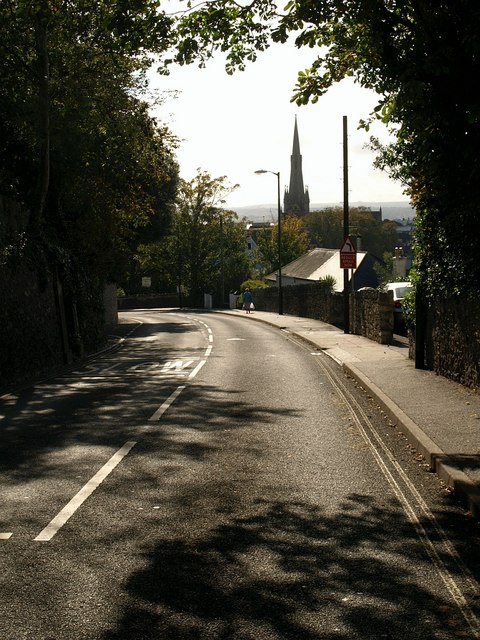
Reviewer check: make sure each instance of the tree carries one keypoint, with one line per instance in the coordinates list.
(80, 157)
(57, 61)
(206, 247)
(294, 243)
(420, 59)
(78, 149)
(384, 269)
(326, 229)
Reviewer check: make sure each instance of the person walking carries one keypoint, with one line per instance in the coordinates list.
(247, 301)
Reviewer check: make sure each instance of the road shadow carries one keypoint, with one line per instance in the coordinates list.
(290, 570)
(26, 448)
(56, 410)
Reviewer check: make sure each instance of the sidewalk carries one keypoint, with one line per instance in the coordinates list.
(440, 418)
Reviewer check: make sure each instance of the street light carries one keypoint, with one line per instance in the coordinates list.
(280, 293)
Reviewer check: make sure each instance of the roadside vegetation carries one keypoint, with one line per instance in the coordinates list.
(86, 174)
(203, 250)
(325, 229)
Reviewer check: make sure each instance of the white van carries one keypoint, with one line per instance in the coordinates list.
(400, 289)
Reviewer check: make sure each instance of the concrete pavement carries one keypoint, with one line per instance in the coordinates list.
(440, 418)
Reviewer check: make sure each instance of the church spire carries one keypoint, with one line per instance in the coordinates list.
(296, 142)
(296, 199)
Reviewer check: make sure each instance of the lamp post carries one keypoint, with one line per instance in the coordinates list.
(280, 292)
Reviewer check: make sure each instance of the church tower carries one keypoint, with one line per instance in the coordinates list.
(296, 199)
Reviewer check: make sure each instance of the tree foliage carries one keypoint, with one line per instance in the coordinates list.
(421, 59)
(294, 243)
(85, 173)
(326, 230)
(206, 247)
(78, 148)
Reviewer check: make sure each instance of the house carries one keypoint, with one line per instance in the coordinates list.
(319, 263)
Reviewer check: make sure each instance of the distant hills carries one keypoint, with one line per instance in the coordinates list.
(266, 212)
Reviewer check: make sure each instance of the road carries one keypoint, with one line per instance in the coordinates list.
(213, 478)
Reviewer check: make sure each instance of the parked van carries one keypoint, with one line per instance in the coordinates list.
(399, 289)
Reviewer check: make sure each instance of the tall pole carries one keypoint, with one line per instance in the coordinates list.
(222, 264)
(346, 307)
(279, 229)
(280, 290)
(179, 266)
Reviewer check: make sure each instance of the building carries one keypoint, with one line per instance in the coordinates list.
(296, 199)
(404, 228)
(318, 263)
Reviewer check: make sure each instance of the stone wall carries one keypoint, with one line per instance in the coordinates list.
(371, 312)
(110, 304)
(453, 340)
(30, 339)
(44, 328)
(304, 300)
(371, 315)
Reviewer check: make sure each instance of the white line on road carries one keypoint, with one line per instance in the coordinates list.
(197, 368)
(168, 402)
(68, 510)
(176, 365)
(371, 436)
(65, 514)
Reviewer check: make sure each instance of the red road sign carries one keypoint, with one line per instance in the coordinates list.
(348, 254)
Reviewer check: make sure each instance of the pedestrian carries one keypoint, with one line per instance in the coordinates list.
(247, 300)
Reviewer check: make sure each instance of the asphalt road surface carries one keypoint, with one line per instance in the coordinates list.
(212, 478)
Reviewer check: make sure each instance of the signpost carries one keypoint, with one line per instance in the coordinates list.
(348, 260)
(348, 254)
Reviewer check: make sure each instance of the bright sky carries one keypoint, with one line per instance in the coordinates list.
(233, 125)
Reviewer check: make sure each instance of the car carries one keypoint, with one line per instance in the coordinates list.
(399, 289)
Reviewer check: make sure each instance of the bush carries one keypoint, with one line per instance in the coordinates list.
(252, 284)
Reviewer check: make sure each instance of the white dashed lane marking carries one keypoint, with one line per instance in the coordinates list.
(68, 510)
(178, 367)
(165, 405)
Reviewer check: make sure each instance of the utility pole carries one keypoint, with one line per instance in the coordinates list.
(346, 231)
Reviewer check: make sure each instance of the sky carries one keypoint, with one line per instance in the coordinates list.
(233, 125)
